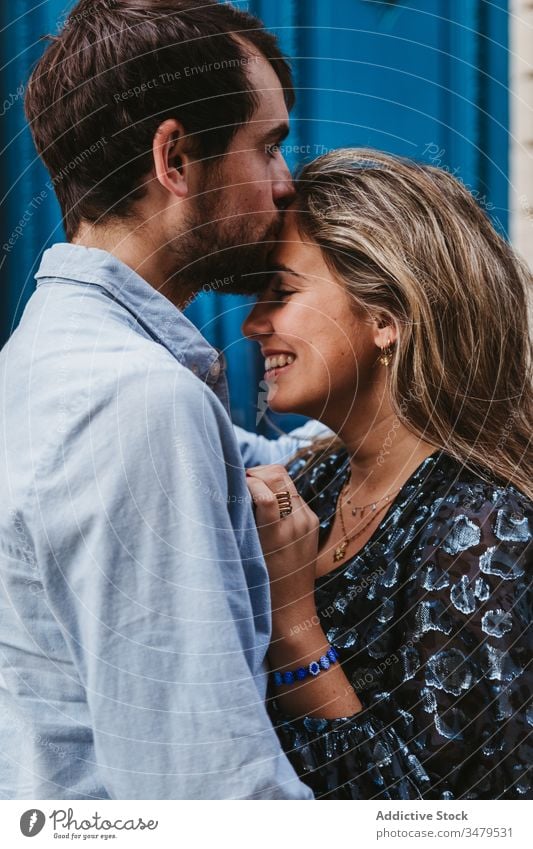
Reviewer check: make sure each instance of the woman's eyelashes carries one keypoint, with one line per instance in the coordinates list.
(281, 294)
(278, 289)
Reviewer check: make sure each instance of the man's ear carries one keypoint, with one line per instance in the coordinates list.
(170, 157)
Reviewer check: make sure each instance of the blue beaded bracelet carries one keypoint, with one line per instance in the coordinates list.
(303, 672)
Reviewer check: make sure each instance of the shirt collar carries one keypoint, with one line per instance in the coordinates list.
(65, 262)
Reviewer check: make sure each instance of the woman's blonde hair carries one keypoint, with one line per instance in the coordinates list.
(411, 245)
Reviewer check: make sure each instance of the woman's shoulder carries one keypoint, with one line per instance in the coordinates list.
(456, 488)
(474, 527)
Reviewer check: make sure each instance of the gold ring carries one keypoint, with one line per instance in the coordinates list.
(284, 500)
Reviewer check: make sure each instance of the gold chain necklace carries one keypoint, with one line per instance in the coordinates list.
(340, 551)
(373, 504)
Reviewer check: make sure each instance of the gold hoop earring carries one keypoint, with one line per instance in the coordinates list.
(385, 358)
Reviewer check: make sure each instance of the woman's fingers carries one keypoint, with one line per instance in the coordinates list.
(275, 477)
(277, 480)
(266, 503)
(264, 482)
(290, 542)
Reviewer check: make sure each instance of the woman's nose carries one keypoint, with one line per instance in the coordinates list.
(257, 323)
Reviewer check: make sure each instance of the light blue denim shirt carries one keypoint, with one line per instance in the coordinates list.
(134, 600)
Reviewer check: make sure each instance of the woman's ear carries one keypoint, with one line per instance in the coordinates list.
(385, 331)
(170, 157)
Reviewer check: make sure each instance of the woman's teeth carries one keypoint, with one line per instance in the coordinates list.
(278, 361)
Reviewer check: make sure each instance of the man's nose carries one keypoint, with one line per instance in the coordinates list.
(283, 189)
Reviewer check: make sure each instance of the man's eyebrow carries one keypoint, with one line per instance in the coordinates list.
(277, 134)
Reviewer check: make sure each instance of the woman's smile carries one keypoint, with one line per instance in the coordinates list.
(276, 363)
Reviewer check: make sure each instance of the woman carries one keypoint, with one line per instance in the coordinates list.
(398, 551)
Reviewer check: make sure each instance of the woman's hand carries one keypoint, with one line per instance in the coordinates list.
(290, 544)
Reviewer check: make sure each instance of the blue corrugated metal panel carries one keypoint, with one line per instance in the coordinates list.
(460, 134)
(30, 213)
(493, 176)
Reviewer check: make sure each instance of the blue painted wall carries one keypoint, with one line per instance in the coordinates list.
(422, 78)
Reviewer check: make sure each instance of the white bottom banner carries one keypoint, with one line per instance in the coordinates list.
(264, 825)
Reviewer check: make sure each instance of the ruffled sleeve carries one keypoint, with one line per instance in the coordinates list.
(447, 715)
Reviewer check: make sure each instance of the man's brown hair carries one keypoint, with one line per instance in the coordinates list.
(116, 71)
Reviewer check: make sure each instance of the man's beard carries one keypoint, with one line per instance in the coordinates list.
(228, 255)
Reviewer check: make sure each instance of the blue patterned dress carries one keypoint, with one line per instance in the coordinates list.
(430, 620)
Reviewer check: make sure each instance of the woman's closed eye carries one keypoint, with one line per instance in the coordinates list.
(282, 293)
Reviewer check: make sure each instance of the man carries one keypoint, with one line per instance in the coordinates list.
(135, 605)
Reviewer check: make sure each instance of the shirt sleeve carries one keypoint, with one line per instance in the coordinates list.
(451, 720)
(259, 451)
(163, 599)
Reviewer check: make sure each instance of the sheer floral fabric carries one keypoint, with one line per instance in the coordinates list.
(430, 620)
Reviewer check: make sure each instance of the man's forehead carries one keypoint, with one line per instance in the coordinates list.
(265, 82)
